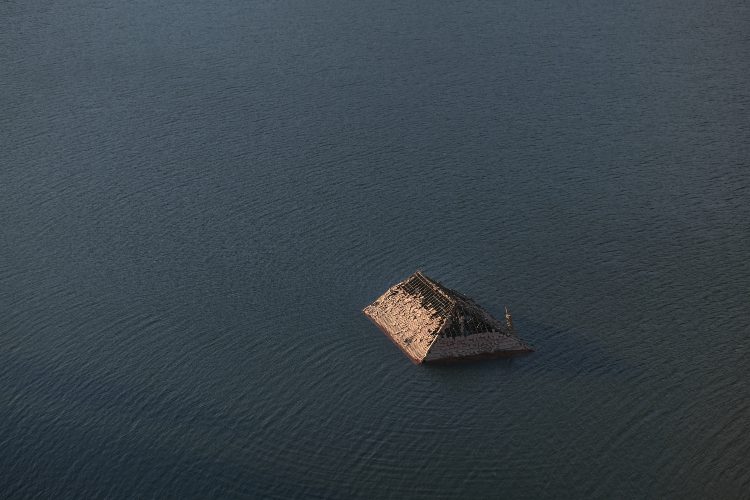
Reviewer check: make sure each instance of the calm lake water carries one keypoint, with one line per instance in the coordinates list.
(198, 198)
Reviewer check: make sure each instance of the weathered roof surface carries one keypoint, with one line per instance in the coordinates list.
(431, 322)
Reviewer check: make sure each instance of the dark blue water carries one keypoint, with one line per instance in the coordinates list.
(198, 198)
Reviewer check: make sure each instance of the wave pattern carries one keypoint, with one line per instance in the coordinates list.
(197, 200)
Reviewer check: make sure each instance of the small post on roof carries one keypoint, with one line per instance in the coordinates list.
(508, 319)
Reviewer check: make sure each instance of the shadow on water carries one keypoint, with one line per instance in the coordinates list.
(573, 351)
(566, 352)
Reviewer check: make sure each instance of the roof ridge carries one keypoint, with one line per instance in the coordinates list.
(437, 287)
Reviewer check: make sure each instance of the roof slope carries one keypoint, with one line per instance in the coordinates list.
(431, 322)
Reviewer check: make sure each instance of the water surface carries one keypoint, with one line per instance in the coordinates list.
(198, 198)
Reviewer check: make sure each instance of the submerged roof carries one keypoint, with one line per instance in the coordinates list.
(431, 322)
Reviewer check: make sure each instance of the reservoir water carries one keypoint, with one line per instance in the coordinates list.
(198, 198)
